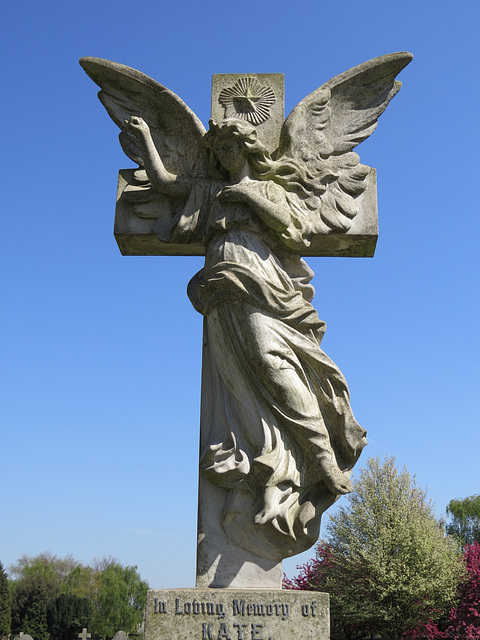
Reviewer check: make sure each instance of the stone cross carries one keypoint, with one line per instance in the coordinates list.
(84, 635)
(136, 235)
(278, 439)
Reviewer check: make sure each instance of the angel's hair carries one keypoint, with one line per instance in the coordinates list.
(285, 171)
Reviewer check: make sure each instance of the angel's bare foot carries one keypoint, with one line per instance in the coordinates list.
(272, 498)
(337, 481)
(340, 486)
(276, 502)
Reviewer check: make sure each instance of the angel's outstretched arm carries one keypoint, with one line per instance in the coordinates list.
(159, 177)
(270, 210)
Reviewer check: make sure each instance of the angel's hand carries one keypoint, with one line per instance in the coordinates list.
(240, 192)
(138, 126)
(270, 211)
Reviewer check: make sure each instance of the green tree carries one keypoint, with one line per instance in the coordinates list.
(67, 616)
(319, 575)
(38, 581)
(34, 620)
(45, 569)
(391, 564)
(465, 519)
(120, 599)
(83, 582)
(115, 594)
(5, 606)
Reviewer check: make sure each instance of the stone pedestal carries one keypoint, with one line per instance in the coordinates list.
(230, 614)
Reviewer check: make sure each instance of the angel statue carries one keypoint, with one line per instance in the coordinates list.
(278, 436)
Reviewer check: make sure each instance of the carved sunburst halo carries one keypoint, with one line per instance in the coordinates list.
(248, 100)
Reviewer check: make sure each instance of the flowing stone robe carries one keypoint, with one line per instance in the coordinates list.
(273, 403)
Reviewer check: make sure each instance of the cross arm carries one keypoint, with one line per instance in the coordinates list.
(135, 235)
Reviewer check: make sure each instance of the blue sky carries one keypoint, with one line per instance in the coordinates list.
(101, 354)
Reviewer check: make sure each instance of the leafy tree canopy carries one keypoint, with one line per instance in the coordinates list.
(45, 563)
(465, 519)
(46, 570)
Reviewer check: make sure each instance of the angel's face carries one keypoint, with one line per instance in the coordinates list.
(231, 153)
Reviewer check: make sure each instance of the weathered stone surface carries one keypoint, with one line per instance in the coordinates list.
(221, 563)
(218, 614)
(255, 98)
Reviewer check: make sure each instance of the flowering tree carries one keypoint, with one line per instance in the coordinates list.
(463, 621)
(465, 618)
(320, 574)
(390, 564)
(315, 574)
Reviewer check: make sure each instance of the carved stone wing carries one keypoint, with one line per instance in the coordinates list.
(176, 130)
(323, 129)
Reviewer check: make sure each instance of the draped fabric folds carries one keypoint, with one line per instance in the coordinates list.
(274, 406)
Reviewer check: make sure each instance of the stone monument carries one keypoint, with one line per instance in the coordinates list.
(254, 194)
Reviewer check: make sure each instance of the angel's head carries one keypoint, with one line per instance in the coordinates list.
(232, 143)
